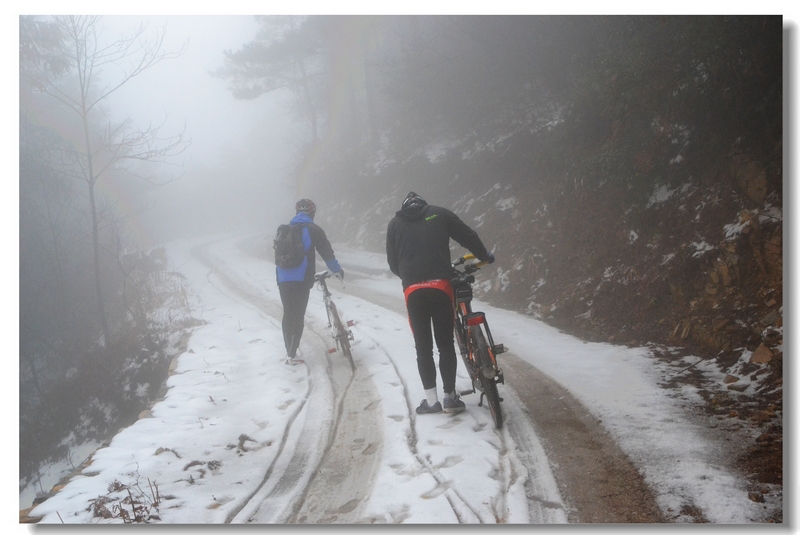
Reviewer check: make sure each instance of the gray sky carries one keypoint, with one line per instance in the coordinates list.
(238, 159)
(182, 87)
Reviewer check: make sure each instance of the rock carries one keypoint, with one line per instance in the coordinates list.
(751, 176)
(770, 318)
(762, 355)
(25, 518)
(738, 388)
(730, 379)
(719, 323)
(725, 274)
(760, 416)
(756, 497)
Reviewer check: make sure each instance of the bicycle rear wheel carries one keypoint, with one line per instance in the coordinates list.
(342, 335)
(488, 383)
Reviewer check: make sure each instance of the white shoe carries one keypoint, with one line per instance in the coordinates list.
(293, 361)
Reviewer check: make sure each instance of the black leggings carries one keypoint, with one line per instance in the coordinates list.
(428, 306)
(294, 296)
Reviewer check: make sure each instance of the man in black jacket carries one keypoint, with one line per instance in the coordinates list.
(418, 251)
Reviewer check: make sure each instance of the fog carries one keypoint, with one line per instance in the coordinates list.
(537, 131)
(235, 174)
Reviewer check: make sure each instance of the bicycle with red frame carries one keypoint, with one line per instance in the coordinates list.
(478, 349)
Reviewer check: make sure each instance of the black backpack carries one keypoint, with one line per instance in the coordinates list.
(288, 245)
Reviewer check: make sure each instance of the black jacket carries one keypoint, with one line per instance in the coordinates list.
(418, 243)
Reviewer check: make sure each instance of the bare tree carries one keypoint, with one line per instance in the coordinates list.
(84, 55)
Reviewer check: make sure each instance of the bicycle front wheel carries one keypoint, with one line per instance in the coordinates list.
(488, 383)
(342, 335)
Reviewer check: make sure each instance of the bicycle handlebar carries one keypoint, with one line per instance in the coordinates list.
(320, 277)
(469, 268)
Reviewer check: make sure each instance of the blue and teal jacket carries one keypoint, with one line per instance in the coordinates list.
(314, 238)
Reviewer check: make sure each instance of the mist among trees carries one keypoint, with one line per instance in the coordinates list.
(377, 88)
(593, 108)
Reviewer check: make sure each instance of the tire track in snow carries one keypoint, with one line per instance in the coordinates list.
(344, 479)
(510, 467)
(521, 458)
(284, 475)
(288, 486)
(464, 512)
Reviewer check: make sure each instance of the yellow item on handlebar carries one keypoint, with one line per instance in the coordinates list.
(470, 256)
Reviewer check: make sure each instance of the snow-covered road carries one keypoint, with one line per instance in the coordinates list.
(241, 437)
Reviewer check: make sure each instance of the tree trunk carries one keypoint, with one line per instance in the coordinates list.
(312, 114)
(95, 235)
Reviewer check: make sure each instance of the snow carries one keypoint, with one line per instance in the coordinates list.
(507, 204)
(660, 195)
(233, 410)
(701, 248)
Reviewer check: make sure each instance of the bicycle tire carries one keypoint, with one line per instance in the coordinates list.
(462, 350)
(489, 384)
(342, 335)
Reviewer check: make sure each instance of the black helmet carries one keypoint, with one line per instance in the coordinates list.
(412, 199)
(307, 206)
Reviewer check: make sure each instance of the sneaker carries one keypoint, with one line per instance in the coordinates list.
(424, 408)
(454, 405)
(292, 361)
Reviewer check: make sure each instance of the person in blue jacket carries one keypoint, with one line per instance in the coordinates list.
(294, 284)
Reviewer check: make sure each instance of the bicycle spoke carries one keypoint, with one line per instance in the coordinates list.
(488, 383)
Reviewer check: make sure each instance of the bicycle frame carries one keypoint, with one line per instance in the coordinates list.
(340, 331)
(473, 333)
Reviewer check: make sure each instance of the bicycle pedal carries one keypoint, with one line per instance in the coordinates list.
(332, 350)
(350, 323)
(499, 348)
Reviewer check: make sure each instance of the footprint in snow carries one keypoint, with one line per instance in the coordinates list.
(451, 460)
(438, 491)
(450, 423)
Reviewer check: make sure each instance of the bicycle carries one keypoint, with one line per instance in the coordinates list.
(478, 349)
(340, 331)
